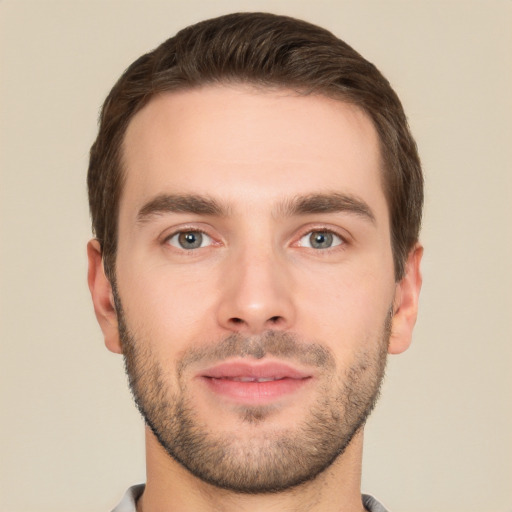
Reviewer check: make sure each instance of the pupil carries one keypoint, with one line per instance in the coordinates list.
(190, 240)
(321, 240)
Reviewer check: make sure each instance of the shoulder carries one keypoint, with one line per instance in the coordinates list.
(129, 501)
(372, 505)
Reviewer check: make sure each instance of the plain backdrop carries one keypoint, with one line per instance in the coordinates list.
(440, 439)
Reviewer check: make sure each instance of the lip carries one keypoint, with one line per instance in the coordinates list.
(254, 383)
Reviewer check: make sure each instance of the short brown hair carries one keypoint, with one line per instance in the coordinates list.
(265, 50)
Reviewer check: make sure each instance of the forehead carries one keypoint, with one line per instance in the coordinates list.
(242, 142)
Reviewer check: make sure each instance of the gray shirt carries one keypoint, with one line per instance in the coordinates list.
(128, 503)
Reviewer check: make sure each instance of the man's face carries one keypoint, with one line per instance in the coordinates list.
(255, 281)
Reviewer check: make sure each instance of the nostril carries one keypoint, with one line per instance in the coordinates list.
(272, 322)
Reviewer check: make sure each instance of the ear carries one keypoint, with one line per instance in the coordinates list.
(102, 297)
(405, 304)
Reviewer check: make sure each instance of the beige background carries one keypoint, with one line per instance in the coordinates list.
(440, 440)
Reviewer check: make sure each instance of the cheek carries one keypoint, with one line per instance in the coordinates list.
(168, 308)
(345, 307)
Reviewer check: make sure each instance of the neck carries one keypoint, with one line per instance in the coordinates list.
(170, 487)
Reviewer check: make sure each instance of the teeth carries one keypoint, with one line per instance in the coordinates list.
(253, 379)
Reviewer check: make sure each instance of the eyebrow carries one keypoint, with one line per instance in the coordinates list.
(177, 203)
(333, 202)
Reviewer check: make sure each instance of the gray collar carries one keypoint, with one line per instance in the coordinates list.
(129, 501)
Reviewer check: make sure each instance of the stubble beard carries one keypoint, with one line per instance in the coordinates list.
(271, 460)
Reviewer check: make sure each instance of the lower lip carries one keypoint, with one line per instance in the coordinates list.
(255, 392)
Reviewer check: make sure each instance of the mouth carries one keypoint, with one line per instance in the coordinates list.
(254, 383)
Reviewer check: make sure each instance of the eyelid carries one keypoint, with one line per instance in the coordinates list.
(177, 230)
(205, 242)
(307, 230)
(344, 237)
(307, 236)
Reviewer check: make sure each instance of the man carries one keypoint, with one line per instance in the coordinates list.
(256, 198)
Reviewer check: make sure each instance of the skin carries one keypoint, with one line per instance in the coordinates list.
(254, 151)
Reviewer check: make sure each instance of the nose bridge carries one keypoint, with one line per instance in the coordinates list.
(257, 288)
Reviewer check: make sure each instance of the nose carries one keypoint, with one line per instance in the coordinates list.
(256, 293)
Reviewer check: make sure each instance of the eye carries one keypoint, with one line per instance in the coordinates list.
(320, 240)
(189, 240)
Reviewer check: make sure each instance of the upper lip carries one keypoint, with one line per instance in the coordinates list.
(257, 370)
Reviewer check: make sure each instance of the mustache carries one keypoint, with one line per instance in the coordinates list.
(283, 345)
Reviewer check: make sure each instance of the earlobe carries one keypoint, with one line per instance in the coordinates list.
(102, 297)
(405, 305)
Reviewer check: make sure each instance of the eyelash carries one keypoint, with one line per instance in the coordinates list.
(309, 231)
(324, 230)
(186, 230)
